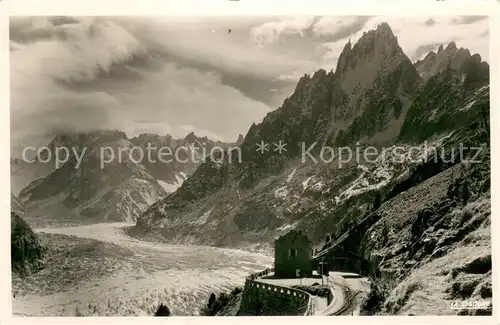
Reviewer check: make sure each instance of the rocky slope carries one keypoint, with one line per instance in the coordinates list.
(26, 251)
(108, 179)
(173, 173)
(430, 237)
(376, 97)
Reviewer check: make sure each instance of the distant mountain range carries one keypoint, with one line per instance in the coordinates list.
(120, 191)
(376, 96)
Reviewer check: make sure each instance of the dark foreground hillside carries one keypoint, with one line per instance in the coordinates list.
(26, 251)
(430, 239)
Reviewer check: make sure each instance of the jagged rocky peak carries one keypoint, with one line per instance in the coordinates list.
(307, 80)
(70, 139)
(79, 140)
(343, 62)
(383, 31)
(240, 139)
(476, 58)
(477, 61)
(449, 57)
(301, 83)
(147, 136)
(451, 46)
(475, 72)
(153, 139)
(191, 137)
(374, 42)
(376, 50)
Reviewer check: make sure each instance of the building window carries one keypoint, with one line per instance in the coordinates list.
(292, 252)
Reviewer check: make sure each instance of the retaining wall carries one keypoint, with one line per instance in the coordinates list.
(263, 299)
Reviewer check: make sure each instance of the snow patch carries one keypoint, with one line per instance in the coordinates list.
(169, 188)
(433, 115)
(281, 193)
(181, 177)
(204, 218)
(387, 167)
(290, 177)
(286, 228)
(468, 106)
(318, 186)
(304, 183)
(134, 196)
(483, 88)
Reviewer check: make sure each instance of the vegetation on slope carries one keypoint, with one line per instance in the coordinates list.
(437, 246)
(217, 303)
(163, 310)
(26, 250)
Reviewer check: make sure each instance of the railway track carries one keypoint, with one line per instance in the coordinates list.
(349, 301)
(347, 308)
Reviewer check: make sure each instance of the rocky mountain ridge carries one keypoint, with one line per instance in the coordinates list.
(429, 236)
(252, 201)
(436, 62)
(109, 177)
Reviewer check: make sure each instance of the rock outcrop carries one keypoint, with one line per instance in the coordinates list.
(26, 250)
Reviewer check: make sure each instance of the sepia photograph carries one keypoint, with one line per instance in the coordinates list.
(250, 166)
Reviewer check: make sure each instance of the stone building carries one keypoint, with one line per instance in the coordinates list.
(292, 255)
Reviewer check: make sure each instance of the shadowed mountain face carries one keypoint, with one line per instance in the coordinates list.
(448, 100)
(107, 176)
(434, 63)
(375, 97)
(26, 251)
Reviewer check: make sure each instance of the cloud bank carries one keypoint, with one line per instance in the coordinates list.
(178, 75)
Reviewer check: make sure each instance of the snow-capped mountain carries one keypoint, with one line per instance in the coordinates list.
(26, 250)
(376, 97)
(98, 184)
(172, 174)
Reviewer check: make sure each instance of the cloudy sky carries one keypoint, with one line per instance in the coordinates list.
(177, 75)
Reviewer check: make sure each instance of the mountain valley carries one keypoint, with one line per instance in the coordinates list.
(383, 157)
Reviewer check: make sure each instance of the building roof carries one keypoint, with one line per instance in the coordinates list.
(295, 233)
